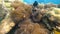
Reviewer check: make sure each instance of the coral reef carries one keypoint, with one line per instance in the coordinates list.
(19, 21)
(27, 27)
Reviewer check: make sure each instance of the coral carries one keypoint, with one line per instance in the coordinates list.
(27, 27)
(6, 25)
(21, 11)
(20, 22)
(16, 4)
(19, 14)
(55, 13)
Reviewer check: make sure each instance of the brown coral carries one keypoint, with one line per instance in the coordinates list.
(16, 4)
(28, 27)
(21, 11)
(19, 14)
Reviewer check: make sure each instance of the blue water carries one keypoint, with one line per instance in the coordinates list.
(43, 1)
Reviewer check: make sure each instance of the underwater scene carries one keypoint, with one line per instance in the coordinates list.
(42, 1)
(29, 16)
